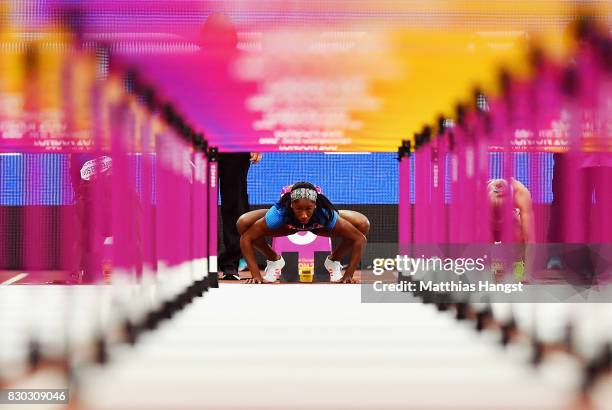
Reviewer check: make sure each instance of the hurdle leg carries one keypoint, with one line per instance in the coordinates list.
(290, 272)
(320, 272)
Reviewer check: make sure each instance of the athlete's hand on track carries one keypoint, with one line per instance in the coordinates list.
(258, 281)
(348, 279)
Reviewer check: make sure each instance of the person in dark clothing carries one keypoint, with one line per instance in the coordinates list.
(233, 170)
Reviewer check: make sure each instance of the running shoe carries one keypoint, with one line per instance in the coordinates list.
(334, 268)
(273, 270)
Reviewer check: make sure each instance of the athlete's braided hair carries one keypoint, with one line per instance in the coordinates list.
(322, 201)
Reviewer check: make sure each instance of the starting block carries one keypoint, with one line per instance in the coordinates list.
(304, 254)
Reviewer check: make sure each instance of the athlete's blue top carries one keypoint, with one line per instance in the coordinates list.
(277, 217)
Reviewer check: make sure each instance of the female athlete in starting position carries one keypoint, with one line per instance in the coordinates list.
(522, 225)
(302, 208)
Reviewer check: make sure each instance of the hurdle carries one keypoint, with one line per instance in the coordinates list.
(560, 110)
(149, 247)
(304, 253)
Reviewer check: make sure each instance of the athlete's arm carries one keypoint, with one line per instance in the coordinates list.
(346, 230)
(522, 200)
(256, 231)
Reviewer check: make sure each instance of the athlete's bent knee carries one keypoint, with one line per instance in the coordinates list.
(364, 226)
(241, 224)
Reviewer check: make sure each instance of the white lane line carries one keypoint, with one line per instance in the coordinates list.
(14, 279)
